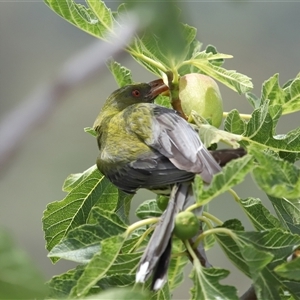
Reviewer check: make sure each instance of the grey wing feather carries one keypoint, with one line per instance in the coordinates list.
(178, 141)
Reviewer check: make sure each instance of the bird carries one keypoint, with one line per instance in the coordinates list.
(145, 145)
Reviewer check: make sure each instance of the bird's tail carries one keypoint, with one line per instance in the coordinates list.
(157, 254)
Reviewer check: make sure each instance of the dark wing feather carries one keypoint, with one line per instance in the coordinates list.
(178, 141)
(175, 152)
(154, 172)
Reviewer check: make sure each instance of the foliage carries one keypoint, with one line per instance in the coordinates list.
(19, 279)
(90, 225)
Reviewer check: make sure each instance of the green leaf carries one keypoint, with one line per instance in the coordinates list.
(207, 286)
(121, 74)
(234, 123)
(266, 285)
(232, 174)
(120, 294)
(287, 97)
(148, 209)
(151, 51)
(292, 100)
(272, 91)
(289, 270)
(257, 260)
(99, 265)
(288, 212)
(275, 241)
(125, 264)
(253, 99)
(260, 130)
(96, 20)
(103, 14)
(212, 135)
(91, 131)
(74, 179)
(236, 81)
(215, 61)
(61, 285)
(177, 264)
(19, 278)
(277, 177)
(117, 280)
(83, 242)
(231, 247)
(163, 101)
(62, 216)
(162, 294)
(259, 216)
(80, 248)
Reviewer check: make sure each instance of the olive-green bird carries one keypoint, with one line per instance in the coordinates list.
(144, 145)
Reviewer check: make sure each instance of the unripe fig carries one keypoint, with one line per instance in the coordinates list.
(186, 225)
(201, 93)
(162, 202)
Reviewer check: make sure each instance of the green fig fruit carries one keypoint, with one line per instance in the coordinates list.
(162, 202)
(186, 225)
(201, 93)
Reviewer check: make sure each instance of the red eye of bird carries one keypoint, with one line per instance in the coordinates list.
(136, 93)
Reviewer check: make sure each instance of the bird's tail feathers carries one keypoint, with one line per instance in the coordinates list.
(157, 254)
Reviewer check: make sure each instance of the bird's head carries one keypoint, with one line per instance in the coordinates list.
(129, 95)
(136, 93)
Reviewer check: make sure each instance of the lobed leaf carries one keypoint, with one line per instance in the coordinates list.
(74, 179)
(148, 209)
(212, 135)
(289, 270)
(232, 174)
(177, 264)
(96, 20)
(259, 216)
(260, 130)
(234, 123)
(61, 285)
(288, 212)
(99, 265)
(207, 286)
(275, 176)
(93, 189)
(83, 242)
(266, 285)
(288, 96)
(121, 74)
(120, 294)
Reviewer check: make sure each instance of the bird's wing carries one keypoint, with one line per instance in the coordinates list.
(174, 138)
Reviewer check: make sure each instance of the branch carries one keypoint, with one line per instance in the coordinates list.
(40, 104)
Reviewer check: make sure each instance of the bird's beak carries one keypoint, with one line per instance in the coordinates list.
(157, 87)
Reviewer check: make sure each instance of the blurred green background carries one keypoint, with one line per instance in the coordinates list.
(263, 37)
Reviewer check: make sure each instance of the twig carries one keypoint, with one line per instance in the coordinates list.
(249, 294)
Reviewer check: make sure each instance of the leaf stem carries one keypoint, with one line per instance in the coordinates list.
(214, 231)
(212, 218)
(142, 237)
(147, 59)
(206, 221)
(138, 224)
(191, 251)
(243, 116)
(234, 195)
